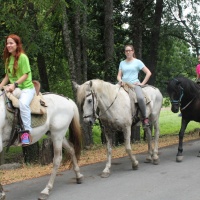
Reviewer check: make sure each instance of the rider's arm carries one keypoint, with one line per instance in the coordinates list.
(4, 81)
(11, 87)
(148, 74)
(119, 76)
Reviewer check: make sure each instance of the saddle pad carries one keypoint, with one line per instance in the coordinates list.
(35, 106)
(36, 120)
(129, 88)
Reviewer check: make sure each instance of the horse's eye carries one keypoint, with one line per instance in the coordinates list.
(89, 100)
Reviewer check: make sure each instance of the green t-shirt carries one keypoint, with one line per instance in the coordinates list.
(23, 68)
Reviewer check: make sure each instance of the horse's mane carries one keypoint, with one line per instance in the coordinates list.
(97, 85)
(190, 87)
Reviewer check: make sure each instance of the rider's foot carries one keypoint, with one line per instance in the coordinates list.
(145, 123)
(25, 138)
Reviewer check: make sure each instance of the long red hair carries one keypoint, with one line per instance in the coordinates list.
(19, 50)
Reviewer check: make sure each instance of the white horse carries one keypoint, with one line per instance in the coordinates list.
(62, 113)
(115, 111)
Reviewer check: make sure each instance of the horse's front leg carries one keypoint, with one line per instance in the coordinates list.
(127, 138)
(56, 163)
(106, 171)
(2, 193)
(184, 123)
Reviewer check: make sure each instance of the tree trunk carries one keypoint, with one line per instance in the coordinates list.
(135, 133)
(71, 63)
(46, 155)
(137, 26)
(43, 72)
(31, 153)
(77, 44)
(155, 41)
(2, 157)
(68, 46)
(84, 44)
(108, 40)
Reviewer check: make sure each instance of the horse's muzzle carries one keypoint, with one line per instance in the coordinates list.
(89, 120)
(175, 108)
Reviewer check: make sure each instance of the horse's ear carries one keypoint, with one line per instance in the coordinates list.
(90, 83)
(75, 85)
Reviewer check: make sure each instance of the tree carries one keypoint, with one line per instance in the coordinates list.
(154, 44)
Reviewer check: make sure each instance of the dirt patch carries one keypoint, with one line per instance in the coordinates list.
(96, 154)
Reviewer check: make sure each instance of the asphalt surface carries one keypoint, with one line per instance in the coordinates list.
(167, 181)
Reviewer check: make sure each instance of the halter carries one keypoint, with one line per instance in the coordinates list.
(180, 98)
(94, 115)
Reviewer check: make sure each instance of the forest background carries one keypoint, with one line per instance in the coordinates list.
(79, 40)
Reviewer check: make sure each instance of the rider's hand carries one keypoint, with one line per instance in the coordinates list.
(121, 83)
(10, 88)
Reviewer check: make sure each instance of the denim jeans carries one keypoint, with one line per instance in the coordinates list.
(24, 106)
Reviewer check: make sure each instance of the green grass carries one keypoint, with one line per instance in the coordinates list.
(170, 124)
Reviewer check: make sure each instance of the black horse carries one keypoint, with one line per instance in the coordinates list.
(184, 94)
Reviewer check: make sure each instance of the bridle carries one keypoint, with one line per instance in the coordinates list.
(180, 98)
(94, 115)
(178, 102)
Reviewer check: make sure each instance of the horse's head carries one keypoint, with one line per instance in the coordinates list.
(175, 91)
(87, 100)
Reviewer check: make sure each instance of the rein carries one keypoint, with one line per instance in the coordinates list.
(94, 115)
(188, 104)
(2, 93)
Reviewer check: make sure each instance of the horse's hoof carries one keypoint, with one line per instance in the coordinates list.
(179, 158)
(135, 167)
(43, 196)
(156, 161)
(2, 196)
(105, 174)
(79, 180)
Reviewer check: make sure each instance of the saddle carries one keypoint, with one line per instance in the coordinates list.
(37, 105)
(129, 88)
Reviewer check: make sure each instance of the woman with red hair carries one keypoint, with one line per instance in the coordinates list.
(18, 74)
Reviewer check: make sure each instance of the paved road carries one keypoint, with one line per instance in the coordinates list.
(167, 181)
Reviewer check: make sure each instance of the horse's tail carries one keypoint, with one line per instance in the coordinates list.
(75, 133)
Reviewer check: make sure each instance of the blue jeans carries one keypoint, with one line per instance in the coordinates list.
(24, 106)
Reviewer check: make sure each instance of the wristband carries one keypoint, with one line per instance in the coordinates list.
(16, 84)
